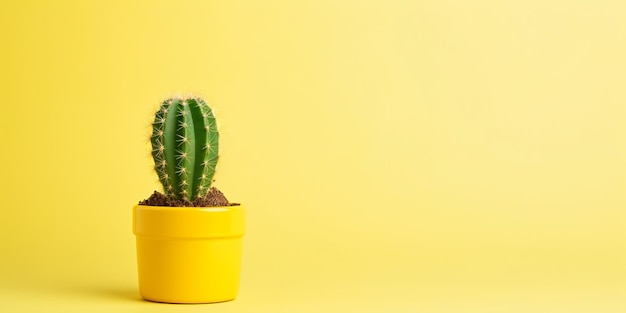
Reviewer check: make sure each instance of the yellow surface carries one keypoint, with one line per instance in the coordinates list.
(393, 156)
(189, 255)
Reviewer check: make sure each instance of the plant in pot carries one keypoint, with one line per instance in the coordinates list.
(189, 237)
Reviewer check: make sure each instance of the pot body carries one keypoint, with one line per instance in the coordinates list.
(187, 254)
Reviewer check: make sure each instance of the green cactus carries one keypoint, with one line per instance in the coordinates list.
(185, 146)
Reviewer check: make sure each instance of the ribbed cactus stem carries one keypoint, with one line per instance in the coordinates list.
(185, 146)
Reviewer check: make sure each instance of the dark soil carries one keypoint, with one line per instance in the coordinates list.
(212, 199)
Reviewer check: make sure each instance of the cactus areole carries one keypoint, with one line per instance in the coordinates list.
(185, 146)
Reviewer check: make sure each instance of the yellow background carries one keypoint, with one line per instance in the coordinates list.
(394, 156)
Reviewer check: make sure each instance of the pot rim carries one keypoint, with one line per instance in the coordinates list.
(189, 222)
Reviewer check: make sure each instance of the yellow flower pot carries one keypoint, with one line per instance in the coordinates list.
(188, 254)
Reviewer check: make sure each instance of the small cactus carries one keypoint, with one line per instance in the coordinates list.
(185, 146)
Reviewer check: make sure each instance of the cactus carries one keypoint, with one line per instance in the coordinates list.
(185, 145)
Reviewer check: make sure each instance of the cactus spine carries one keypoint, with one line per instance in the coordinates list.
(185, 146)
